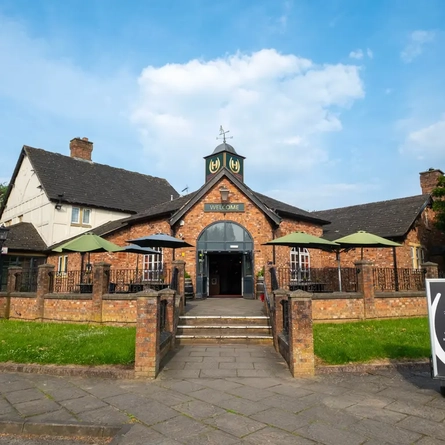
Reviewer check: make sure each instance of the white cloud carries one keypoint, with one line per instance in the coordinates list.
(427, 142)
(414, 47)
(357, 54)
(278, 107)
(369, 53)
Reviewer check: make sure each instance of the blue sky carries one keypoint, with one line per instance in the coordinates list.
(333, 102)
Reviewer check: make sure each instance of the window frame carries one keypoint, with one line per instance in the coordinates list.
(300, 264)
(153, 266)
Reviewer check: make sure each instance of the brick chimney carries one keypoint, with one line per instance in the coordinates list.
(81, 148)
(428, 180)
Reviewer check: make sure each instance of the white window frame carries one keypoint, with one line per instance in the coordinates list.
(417, 256)
(75, 221)
(62, 265)
(86, 212)
(153, 266)
(300, 264)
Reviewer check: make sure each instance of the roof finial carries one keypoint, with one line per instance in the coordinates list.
(223, 134)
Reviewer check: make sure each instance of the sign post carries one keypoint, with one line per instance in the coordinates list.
(435, 292)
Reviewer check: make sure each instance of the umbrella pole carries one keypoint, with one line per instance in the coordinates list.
(396, 272)
(337, 254)
(82, 260)
(361, 256)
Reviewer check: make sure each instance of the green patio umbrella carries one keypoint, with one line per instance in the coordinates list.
(302, 239)
(88, 242)
(364, 239)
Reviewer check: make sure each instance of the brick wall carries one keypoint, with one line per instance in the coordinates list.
(70, 308)
(348, 307)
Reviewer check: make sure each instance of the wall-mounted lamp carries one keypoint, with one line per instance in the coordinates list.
(58, 206)
(224, 193)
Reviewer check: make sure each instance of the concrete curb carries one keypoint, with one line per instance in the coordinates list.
(108, 372)
(118, 373)
(366, 368)
(59, 429)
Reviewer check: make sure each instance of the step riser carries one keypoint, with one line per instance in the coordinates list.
(225, 331)
(209, 321)
(225, 341)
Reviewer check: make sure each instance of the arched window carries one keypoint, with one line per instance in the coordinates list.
(153, 266)
(300, 264)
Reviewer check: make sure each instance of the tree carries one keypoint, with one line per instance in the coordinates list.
(439, 203)
(3, 188)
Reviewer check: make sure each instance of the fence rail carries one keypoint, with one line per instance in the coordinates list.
(27, 280)
(132, 280)
(73, 281)
(328, 279)
(388, 279)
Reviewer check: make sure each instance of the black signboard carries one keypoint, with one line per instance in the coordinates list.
(435, 292)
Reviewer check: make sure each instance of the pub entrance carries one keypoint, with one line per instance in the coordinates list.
(225, 273)
(224, 264)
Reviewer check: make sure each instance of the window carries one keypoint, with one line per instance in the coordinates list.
(153, 266)
(62, 265)
(80, 216)
(300, 264)
(417, 256)
(75, 213)
(86, 216)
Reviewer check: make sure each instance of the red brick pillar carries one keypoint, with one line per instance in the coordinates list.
(432, 269)
(147, 354)
(5, 308)
(366, 287)
(101, 282)
(169, 295)
(180, 265)
(278, 296)
(301, 336)
(43, 288)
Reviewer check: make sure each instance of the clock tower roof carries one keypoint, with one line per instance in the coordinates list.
(224, 147)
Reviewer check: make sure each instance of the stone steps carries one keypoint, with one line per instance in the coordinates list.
(223, 329)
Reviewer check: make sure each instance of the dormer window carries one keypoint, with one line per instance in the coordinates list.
(80, 217)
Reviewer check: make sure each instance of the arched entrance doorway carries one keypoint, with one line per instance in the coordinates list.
(225, 261)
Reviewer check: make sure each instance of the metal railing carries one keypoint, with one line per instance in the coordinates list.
(73, 281)
(388, 279)
(133, 280)
(285, 304)
(163, 315)
(26, 280)
(327, 279)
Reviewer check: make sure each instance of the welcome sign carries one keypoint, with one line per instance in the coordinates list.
(435, 292)
(229, 207)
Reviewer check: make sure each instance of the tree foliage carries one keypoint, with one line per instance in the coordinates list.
(439, 203)
(3, 188)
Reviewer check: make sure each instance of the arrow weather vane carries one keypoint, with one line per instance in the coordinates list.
(223, 134)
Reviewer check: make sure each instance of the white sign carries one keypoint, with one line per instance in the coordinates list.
(435, 292)
(4, 250)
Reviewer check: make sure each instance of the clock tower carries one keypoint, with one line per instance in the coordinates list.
(224, 156)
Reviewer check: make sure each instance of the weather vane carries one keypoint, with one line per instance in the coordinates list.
(223, 134)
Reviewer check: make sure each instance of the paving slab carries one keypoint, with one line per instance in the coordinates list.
(192, 407)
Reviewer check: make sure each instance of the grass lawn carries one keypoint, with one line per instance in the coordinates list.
(366, 341)
(334, 343)
(62, 344)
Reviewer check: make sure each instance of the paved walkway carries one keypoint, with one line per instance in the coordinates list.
(236, 395)
(224, 306)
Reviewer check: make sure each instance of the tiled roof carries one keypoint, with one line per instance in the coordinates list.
(24, 236)
(390, 219)
(286, 209)
(97, 185)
